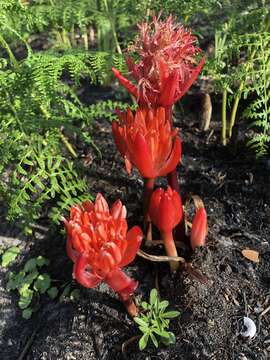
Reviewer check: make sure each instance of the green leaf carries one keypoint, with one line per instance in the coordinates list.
(28, 162)
(42, 283)
(163, 304)
(165, 322)
(154, 339)
(40, 260)
(10, 255)
(145, 305)
(15, 280)
(27, 313)
(52, 292)
(21, 170)
(145, 318)
(39, 184)
(168, 340)
(141, 322)
(159, 332)
(30, 265)
(144, 329)
(25, 299)
(75, 295)
(165, 334)
(65, 293)
(170, 314)
(30, 277)
(23, 288)
(153, 297)
(143, 341)
(11, 285)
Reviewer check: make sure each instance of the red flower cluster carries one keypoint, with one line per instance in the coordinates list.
(147, 141)
(167, 64)
(99, 245)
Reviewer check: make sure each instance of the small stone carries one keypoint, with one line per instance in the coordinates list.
(10, 342)
(243, 357)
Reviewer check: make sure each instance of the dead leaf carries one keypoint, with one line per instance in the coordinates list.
(252, 255)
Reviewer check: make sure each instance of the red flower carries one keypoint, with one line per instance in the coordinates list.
(167, 64)
(199, 228)
(147, 141)
(99, 245)
(165, 209)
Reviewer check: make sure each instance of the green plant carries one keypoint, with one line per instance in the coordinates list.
(88, 24)
(106, 109)
(239, 68)
(37, 110)
(259, 79)
(31, 282)
(186, 9)
(154, 321)
(41, 116)
(219, 68)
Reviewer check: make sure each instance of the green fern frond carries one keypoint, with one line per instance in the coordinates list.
(106, 109)
(259, 109)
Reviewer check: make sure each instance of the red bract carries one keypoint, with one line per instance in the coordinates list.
(147, 141)
(167, 64)
(165, 209)
(199, 228)
(99, 245)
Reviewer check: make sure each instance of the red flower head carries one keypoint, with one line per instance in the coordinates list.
(165, 209)
(99, 245)
(167, 64)
(147, 141)
(199, 228)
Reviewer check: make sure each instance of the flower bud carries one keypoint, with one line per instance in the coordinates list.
(199, 228)
(165, 209)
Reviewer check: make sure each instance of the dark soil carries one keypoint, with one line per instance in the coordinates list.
(235, 190)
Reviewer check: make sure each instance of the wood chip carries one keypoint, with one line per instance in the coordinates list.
(265, 311)
(252, 255)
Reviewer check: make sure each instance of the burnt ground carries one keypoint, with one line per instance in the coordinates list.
(235, 190)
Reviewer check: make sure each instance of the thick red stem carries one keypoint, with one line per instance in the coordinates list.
(174, 184)
(147, 192)
(173, 181)
(172, 177)
(170, 248)
(125, 287)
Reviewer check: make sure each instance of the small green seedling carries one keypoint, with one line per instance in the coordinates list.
(32, 281)
(29, 282)
(154, 321)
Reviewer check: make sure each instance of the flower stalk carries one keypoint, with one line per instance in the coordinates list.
(165, 210)
(224, 117)
(147, 192)
(170, 248)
